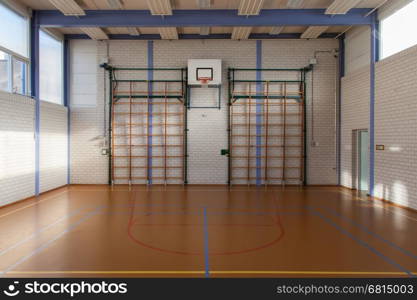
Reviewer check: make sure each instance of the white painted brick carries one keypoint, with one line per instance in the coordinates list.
(207, 135)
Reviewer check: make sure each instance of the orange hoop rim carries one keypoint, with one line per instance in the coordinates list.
(204, 80)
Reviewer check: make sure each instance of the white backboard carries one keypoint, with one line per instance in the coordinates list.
(210, 68)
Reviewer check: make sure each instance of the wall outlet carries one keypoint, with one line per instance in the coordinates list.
(313, 61)
(104, 151)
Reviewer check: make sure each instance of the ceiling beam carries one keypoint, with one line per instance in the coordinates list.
(314, 32)
(219, 36)
(160, 7)
(95, 33)
(341, 7)
(168, 33)
(201, 18)
(241, 33)
(250, 7)
(68, 7)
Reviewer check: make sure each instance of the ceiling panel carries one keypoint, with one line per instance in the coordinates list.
(192, 4)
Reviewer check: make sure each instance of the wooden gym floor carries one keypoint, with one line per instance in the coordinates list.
(200, 231)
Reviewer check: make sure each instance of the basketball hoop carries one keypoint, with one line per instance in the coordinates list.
(204, 80)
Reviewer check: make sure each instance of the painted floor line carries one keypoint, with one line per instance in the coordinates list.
(33, 204)
(38, 232)
(242, 272)
(48, 243)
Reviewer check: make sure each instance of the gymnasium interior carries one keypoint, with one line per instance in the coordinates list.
(208, 138)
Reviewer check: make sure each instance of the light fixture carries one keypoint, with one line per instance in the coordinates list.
(204, 30)
(115, 4)
(68, 7)
(295, 3)
(341, 7)
(133, 31)
(314, 32)
(241, 33)
(160, 7)
(250, 7)
(276, 30)
(95, 33)
(168, 33)
(204, 4)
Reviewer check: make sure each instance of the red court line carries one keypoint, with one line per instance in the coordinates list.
(276, 222)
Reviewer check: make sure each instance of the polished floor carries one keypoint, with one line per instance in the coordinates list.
(206, 231)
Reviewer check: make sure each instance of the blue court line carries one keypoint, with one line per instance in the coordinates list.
(39, 231)
(362, 243)
(51, 241)
(206, 244)
(150, 110)
(258, 113)
(365, 229)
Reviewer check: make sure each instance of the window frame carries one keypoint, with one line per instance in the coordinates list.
(16, 56)
(62, 41)
(381, 18)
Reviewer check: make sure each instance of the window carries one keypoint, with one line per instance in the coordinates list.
(4, 71)
(14, 51)
(50, 68)
(14, 31)
(397, 30)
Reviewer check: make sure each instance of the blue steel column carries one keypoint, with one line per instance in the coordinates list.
(374, 57)
(259, 102)
(339, 108)
(67, 104)
(34, 80)
(150, 109)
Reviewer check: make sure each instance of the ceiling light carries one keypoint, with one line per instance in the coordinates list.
(241, 33)
(250, 7)
(276, 30)
(115, 4)
(204, 30)
(68, 7)
(294, 3)
(160, 7)
(204, 4)
(314, 32)
(95, 33)
(341, 7)
(168, 33)
(133, 31)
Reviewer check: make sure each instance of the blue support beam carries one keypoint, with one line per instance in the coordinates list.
(34, 80)
(67, 74)
(198, 18)
(253, 36)
(374, 57)
(150, 109)
(339, 108)
(259, 103)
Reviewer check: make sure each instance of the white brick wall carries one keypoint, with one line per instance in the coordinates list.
(321, 159)
(207, 135)
(88, 166)
(53, 146)
(355, 115)
(357, 48)
(17, 147)
(396, 128)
